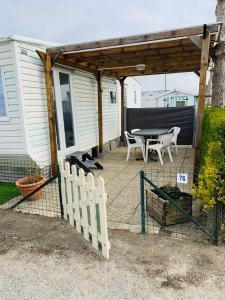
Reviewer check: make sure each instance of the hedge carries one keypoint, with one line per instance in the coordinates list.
(214, 131)
(211, 182)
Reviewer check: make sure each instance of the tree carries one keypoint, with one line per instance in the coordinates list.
(218, 56)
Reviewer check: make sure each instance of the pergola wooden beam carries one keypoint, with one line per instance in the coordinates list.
(201, 97)
(149, 71)
(126, 51)
(51, 111)
(71, 64)
(122, 80)
(100, 115)
(196, 40)
(164, 62)
(134, 39)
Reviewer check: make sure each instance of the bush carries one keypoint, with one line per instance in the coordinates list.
(211, 181)
(214, 131)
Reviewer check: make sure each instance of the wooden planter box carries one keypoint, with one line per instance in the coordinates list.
(164, 212)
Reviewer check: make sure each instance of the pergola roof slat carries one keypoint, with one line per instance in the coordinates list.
(134, 39)
(170, 51)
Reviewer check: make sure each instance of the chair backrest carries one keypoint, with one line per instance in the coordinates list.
(165, 139)
(128, 137)
(134, 130)
(175, 131)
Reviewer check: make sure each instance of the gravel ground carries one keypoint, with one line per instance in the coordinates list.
(44, 258)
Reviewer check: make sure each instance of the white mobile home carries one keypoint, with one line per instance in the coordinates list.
(170, 98)
(24, 130)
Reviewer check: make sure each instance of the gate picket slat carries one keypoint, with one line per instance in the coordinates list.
(63, 189)
(69, 194)
(76, 199)
(92, 204)
(101, 198)
(85, 204)
(82, 184)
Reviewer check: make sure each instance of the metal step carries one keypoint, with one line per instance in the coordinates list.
(86, 163)
(89, 163)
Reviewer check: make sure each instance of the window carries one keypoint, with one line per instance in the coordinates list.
(166, 102)
(67, 109)
(3, 112)
(180, 103)
(112, 96)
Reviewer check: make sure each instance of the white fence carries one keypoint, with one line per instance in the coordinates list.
(84, 206)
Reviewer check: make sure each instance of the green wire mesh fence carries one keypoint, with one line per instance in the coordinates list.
(167, 206)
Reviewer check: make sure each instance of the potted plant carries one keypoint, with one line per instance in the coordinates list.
(162, 210)
(29, 184)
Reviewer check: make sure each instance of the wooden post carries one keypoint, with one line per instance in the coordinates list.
(201, 97)
(51, 112)
(100, 120)
(122, 107)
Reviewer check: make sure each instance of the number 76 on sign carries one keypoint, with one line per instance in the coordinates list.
(182, 178)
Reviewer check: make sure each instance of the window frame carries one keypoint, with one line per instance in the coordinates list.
(6, 117)
(115, 91)
(62, 151)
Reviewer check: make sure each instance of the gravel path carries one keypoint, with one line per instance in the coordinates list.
(44, 258)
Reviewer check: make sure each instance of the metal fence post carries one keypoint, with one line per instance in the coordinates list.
(60, 193)
(142, 185)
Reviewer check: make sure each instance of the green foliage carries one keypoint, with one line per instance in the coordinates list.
(211, 181)
(8, 190)
(214, 131)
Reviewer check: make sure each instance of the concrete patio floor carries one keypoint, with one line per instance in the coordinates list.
(122, 179)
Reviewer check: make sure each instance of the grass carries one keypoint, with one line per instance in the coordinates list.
(8, 190)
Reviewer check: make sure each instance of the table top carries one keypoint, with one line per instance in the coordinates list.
(150, 132)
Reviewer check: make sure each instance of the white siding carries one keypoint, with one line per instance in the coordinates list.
(12, 139)
(32, 80)
(84, 99)
(86, 108)
(111, 111)
(133, 87)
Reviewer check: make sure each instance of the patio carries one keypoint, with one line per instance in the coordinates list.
(123, 184)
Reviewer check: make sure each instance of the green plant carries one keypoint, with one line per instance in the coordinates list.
(214, 130)
(211, 182)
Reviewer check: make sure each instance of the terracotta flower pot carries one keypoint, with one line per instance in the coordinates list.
(28, 184)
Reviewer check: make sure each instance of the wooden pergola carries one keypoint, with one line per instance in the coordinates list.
(173, 51)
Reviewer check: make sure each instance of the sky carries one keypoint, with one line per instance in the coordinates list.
(72, 21)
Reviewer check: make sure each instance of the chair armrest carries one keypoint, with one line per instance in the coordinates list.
(151, 140)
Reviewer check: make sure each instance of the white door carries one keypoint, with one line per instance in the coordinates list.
(65, 112)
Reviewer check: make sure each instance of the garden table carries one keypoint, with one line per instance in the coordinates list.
(151, 133)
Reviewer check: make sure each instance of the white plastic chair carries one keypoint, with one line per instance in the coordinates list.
(164, 144)
(141, 137)
(175, 131)
(136, 143)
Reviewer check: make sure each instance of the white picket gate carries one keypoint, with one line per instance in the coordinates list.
(84, 206)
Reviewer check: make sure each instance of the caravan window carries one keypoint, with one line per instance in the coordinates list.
(3, 112)
(112, 96)
(67, 109)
